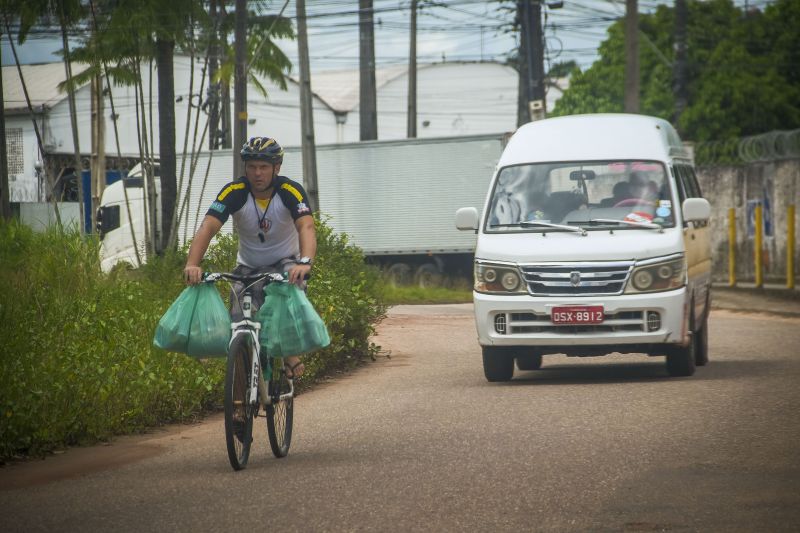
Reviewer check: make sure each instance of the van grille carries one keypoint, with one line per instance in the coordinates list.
(533, 323)
(577, 279)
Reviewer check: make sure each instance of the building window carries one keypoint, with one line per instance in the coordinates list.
(14, 149)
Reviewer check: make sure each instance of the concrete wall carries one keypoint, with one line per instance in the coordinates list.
(40, 215)
(776, 185)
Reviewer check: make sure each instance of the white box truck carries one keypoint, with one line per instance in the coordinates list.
(395, 199)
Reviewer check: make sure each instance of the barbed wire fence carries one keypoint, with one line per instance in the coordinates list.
(771, 146)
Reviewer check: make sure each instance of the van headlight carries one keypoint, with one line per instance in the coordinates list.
(498, 279)
(660, 276)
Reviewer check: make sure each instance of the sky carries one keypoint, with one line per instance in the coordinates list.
(467, 30)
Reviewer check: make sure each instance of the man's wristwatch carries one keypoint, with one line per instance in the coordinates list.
(304, 261)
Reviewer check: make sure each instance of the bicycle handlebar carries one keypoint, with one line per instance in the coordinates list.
(269, 277)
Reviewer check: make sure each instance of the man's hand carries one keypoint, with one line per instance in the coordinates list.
(298, 272)
(192, 274)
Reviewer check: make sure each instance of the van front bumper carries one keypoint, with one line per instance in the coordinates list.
(629, 319)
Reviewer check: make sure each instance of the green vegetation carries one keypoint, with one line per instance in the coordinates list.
(77, 363)
(743, 77)
(395, 295)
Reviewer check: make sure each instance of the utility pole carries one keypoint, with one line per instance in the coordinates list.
(5, 200)
(679, 81)
(631, 57)
(412, 75)
(531, 99)
(240, 85)
(98, 161)
(306, 109)
(368, 113)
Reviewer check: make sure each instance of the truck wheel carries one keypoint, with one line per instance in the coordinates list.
(428, 276)
(680, 360)
(529, 361)
(399, 274)
(700, 338)
(498, 363)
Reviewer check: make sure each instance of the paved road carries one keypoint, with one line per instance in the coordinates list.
(420, 441)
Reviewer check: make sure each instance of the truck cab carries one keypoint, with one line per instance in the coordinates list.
(121, 221)
(593, 239)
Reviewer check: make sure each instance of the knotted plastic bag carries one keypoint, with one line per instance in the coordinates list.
(197, 324)
(289, 323)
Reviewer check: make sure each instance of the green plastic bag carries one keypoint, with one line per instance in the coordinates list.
(197, 324)
(289, 323)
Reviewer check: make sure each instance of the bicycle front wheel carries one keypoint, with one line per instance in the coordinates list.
(238, 414)
(279, 414)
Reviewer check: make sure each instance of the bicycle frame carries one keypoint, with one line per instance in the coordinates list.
(257, 386)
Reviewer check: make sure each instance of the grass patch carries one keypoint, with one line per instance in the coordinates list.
(416, 295)
(77, 364)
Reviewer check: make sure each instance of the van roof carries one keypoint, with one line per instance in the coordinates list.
(594, 137)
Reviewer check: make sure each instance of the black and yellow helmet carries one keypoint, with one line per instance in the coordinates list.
(262, 149)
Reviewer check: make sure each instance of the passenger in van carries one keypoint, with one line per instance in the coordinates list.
(639, 191)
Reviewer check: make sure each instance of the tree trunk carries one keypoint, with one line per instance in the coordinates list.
(166, 136)
(73, 115)
(240, 85)
(5, 201)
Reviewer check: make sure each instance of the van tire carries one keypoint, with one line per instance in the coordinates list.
(700, 339)
(498, 363)
(681, 360)
(529, 361)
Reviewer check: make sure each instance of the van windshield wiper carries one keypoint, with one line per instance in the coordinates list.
(533, 223)
(648, 225)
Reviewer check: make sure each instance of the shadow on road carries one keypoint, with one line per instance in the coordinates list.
(654, 371)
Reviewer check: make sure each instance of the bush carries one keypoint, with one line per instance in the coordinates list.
(77, 363)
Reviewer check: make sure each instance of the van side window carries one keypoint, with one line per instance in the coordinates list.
(688, 187)
(694, 185)
(682, 192)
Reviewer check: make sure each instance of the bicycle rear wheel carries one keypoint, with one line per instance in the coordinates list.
(279, 415)
(238, 414)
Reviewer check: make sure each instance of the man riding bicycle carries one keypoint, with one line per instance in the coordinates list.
(273, 219)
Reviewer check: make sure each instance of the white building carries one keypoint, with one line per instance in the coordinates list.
(453, 98)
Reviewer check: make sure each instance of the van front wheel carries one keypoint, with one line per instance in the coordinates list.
(498, 363)
(680, 360)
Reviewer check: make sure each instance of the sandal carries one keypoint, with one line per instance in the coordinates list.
(295, 370)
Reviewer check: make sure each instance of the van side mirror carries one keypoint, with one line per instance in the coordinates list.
(467, 218)
(696, 209)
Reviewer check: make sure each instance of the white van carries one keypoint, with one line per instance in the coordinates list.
(594, 239)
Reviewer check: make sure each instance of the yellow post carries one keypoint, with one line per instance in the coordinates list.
(731, 247)
(759, 243)
(790, 247)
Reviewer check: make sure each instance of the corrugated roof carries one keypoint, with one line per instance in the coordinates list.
(42, 82)
(339, 88)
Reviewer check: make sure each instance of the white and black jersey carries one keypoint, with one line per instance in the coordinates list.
(265, 236)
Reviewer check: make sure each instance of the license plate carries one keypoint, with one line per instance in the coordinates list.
(577, 314)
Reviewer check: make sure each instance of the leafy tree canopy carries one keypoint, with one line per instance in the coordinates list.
(743, 79)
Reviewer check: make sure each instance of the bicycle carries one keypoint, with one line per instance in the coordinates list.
(246, 390)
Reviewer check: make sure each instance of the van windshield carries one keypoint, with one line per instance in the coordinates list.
(625, 195)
